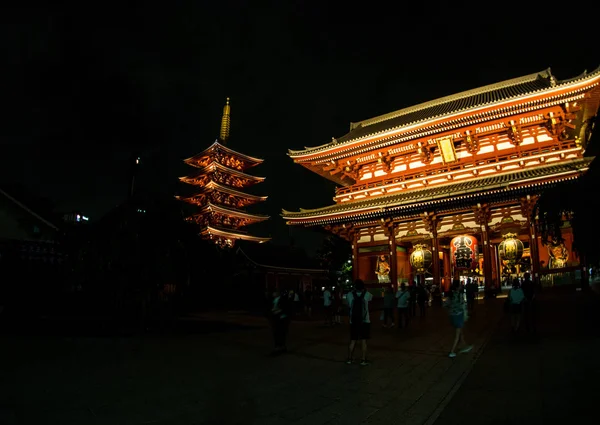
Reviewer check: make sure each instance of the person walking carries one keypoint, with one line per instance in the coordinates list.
(529, 303)
(328, 306)
(422, 298)
(470, 290)
(280, 321)
(338, 295)
(403, 300)
(360, 322)
(515, 300)
(388, 307)
(458, 315)
(308, 298)
(412, 303)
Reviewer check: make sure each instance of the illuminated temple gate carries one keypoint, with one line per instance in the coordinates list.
(471, 165)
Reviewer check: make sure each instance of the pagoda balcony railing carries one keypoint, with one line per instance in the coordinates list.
(448, 168)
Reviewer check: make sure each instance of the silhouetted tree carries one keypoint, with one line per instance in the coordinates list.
(335, 254)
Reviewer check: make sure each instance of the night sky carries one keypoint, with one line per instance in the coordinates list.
(84, 89)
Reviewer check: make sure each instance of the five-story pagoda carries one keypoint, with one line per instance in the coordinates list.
(221, 177)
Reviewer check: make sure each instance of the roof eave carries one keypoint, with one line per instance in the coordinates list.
(322, 150)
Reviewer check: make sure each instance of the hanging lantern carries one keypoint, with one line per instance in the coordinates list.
(420, 258)
(510, 249)
(464, 252)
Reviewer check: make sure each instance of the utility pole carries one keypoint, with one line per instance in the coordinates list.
(135, 165)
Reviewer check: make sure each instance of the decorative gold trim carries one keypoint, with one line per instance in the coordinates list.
(446, 146)
(225, 122)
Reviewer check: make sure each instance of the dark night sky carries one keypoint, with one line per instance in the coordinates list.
(86, 88)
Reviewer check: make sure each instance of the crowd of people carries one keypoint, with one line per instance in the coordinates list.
(399, 308)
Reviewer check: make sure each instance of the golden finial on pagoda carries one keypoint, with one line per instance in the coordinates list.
(225, 122)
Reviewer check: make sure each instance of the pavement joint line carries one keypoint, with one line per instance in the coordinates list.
(444, 402)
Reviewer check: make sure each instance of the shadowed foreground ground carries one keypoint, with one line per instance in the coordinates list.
(217, 369)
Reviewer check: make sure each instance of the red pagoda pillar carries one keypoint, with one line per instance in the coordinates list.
(393, 256)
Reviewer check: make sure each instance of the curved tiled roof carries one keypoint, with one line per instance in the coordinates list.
(442, 191)
(225, 189)
(230, 211)
(487, 95)
(213, 166)
(218, 146)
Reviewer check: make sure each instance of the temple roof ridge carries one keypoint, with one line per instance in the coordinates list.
(217, 144)
(463, 101)
(233, 211)
(234, 234)
(226, 189)
(545, 74)
(207, 169)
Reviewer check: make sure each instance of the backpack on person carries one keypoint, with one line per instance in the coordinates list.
(358, 310)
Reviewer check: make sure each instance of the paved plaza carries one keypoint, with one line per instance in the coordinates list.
(217, 369)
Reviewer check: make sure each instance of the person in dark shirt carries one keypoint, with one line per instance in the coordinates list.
(471, 289)
(528, 288)
(412, 306)
(308, 299)
(422, 298)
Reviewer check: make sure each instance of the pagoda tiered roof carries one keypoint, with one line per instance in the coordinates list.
(221, 194)
(211, 232)
(218, 173)
(444, 197)
(211, 208)
(220, 153)
(490, 102)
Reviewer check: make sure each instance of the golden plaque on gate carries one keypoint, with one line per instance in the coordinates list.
(446, 146)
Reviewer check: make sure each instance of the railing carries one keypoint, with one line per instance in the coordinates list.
(444, 169)
(568, 276)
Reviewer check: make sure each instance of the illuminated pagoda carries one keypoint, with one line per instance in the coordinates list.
(459, 175)
(220, 178)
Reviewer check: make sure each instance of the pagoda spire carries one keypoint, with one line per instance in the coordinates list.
(225, 122)
(218, 180)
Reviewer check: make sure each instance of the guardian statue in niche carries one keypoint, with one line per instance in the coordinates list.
(382, 269)
(559, 254)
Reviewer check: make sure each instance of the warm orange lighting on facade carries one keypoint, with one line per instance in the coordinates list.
(475, 162)
(218, 179)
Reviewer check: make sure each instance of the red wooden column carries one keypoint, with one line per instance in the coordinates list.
(482, 218)
(487, 254)
(448, 271)
(393, 255)
(354, 235)
(431, 222)
(435, 251)
(527, 207)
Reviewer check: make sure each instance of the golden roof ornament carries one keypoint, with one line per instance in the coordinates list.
(225, 122)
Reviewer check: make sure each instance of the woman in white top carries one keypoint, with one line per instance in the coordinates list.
(516, 297)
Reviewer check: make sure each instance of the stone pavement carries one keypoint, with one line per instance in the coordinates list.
(550, 378)
(228, 376)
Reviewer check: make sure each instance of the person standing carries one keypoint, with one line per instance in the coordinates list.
(458, 314)
(388, 307)
(529, 303)
(308, 295)
(338, 296)
(470, 292)
(360, 322)
(422, 298)
(280, 321)
(412, 301)
(403, 300)
(327, 306)
(515, 300)
(296, 303)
